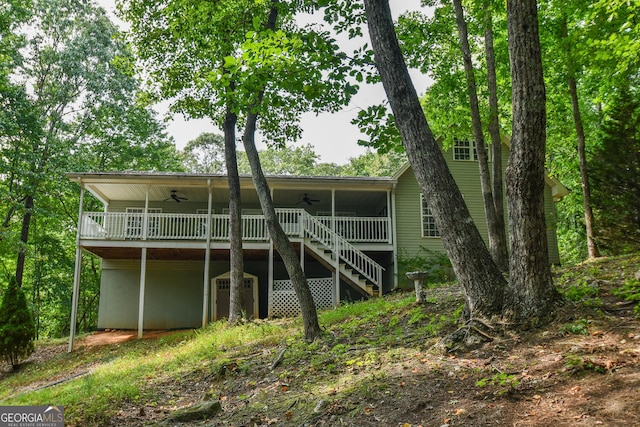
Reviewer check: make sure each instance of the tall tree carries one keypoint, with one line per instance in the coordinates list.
(66, 63)
(240, 65)
(592, 247)
(199, 82)
(205, 154)
(616, 173)
(496, 141)
(497, 236)
(531, 293)
(477, 272)
(72, 105)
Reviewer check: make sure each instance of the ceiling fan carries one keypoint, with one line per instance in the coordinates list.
(306, 198)
(175, 197)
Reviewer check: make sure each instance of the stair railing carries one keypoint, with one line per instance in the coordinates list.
(346, 252)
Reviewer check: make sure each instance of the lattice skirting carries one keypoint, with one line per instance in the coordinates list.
(284, 302)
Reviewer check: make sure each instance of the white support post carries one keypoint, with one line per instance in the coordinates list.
(145, 217)
(207, 262)
(143, 281)
(389, 223)
(333, 210)
(143, 265)
(336, 250)
(76, 274)
(270, 280)
(302, 254)
(392, 215)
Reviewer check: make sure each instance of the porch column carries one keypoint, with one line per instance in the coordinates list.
(302, 255)
(270, 279)
(76, 273)
(389, 225)
(145, 216)
(336, 263)
(394, 232)
(333, 210)
(143, 265)
(207, 262)
(143, 281)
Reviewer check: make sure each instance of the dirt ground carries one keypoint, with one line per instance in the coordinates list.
(547, 377)
(114, 336)
(583, 369)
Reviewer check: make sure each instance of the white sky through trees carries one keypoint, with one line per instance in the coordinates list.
(332, 136)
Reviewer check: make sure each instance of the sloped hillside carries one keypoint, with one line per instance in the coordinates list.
(377, 365)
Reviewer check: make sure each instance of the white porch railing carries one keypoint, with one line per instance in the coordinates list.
(359, 229)
(176, 226)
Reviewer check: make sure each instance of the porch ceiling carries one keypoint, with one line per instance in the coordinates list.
(288, 191)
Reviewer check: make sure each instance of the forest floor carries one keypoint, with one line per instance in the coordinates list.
(377, 365)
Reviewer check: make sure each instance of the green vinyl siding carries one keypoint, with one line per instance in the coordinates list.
(467, 176)
(408, 212)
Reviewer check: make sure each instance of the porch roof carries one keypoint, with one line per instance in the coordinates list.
(133, 185)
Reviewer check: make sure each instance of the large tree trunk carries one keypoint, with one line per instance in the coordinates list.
(280, 241)
(483, 158)
(592, 247)
(236, 288)
(24, 238)
(499, 251)
(479, 276)
(530, 293)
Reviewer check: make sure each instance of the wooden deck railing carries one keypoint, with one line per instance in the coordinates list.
(177, 226)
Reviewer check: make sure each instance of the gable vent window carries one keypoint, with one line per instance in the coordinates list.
(464, 149)
(429, 228)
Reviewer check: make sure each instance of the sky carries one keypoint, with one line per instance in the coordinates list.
(332, 135)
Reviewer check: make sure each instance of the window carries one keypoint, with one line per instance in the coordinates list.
(463, 149)
(429, 228)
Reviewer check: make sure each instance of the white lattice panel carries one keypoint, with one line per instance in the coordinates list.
(284, 302)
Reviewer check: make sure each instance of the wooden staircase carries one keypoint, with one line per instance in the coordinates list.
(335, 253)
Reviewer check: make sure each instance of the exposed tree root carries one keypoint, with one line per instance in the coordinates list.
(474, 333)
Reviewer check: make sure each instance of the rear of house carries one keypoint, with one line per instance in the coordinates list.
(163, 240)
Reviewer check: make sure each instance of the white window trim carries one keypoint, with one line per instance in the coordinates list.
(423, 214)
(473, 154)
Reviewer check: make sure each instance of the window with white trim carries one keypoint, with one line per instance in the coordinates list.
(464, 149)
(429, 228)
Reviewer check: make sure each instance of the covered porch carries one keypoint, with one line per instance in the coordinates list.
(150, 217)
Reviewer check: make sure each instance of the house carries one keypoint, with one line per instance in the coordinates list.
(163, 240)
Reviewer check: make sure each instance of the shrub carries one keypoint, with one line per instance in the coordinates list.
(17, 330)
(436, 263)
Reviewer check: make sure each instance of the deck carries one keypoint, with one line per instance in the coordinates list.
(193, 227)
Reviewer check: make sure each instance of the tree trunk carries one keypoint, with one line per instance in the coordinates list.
(530, 293)
(479, 276)
(592, 247)
(280, 241)
(24, 238)
(236, 287)
(499, 252)
(483, 160)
